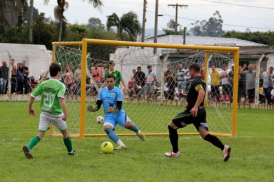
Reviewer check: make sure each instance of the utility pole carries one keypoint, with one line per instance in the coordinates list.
(144, 20)
(176, 13)
(184, 36)
(156, 26)
(31, 22)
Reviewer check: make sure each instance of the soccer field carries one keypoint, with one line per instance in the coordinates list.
(252, 157)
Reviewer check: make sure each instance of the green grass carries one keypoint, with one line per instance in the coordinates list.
(252, 157)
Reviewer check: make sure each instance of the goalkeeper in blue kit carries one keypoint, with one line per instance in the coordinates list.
(111, 97)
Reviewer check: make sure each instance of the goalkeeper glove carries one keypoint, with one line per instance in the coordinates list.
(92, 109)
(114, 110)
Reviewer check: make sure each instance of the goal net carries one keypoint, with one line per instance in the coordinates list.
(153, 78)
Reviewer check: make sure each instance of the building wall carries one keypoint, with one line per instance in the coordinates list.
(270, 61)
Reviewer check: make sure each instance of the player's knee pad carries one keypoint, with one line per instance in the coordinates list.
(108, 130)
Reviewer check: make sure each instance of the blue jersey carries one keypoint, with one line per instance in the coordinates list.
(109, 99)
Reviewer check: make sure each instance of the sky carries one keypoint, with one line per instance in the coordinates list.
(237, 18)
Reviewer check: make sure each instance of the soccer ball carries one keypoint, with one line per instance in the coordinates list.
(106, 147)
(100, 119)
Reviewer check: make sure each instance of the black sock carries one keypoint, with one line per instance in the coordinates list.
(215, 141)
(173, 136)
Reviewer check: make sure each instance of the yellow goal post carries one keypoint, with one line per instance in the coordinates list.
(84, 44)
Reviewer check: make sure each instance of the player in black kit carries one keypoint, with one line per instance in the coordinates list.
(195, 114)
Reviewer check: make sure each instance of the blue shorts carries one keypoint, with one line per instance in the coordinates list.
(119, 118)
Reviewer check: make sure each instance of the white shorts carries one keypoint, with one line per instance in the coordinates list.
(56, 120)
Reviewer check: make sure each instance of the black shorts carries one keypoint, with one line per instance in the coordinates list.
(185, 118)
(241, 91)
(226, 89)
(251, 93)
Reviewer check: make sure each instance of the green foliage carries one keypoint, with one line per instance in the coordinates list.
(172, 32)
(127, 23)
(258, 37)
(251, 156)
(95, 24)
(43, 33)
(14, 35)
(211, 28)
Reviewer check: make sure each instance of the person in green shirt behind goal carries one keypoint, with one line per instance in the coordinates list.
(53, 107)
(117, 74)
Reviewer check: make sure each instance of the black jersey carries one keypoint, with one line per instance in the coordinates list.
(192, 91)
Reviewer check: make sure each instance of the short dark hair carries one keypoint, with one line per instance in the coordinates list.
(54, 68)
(213, 65)
(111, 76)
(138, 67)
(149, 66)
(195, 66)
(111, 62)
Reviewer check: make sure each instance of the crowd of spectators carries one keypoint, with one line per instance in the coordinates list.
(19, 78)
(222, 83)
(143, 84)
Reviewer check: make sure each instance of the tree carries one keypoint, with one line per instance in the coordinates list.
(95, 24)
(59, 12)
(212, 28)
(128, 23)
(172, 32)
(3, 18)
(43, 33)
(258, 37)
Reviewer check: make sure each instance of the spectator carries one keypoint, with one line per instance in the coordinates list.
(215, 82)
(169, 76)
(202, 72)
(26, 84)
(12, 62)
(242, 86)
(231, 82)
(133, 76)
(117, 74)
(4, 75)
(96, 73)
(225, 85)
(187, 78)
(77, 77)
(140, 79)
(245, 67)
(250, 76)
(180, 78)
(105, 68)
(13, 79)
(267, 83)
(68, 78)
(18, 65)
(20, 78)
(150, 79)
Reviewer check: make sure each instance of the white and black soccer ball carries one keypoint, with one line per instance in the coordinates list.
(100, 119)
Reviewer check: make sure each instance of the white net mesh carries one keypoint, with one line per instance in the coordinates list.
(151, 100)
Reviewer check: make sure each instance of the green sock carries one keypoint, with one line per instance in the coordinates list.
(67, 142)
(33, 142)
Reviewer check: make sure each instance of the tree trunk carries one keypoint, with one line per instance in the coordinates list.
(3, 18)
(31, 21)
(60, 31)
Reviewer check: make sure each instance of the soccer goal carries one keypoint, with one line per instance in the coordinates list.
(150, 98)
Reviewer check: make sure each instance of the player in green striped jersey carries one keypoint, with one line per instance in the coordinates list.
(53, 107)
